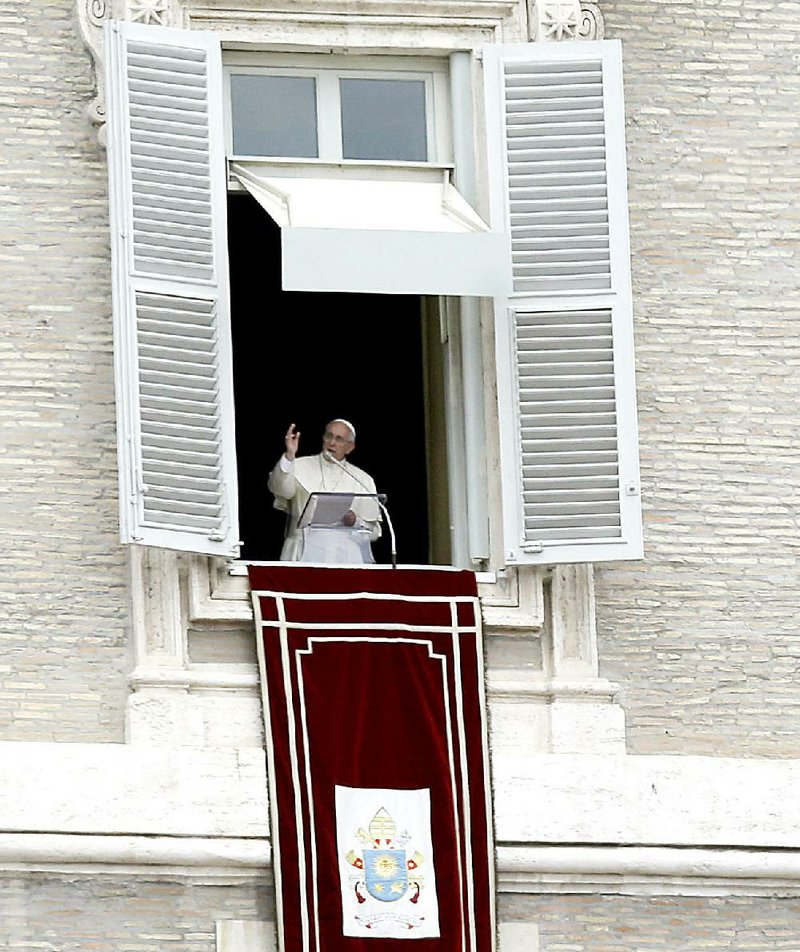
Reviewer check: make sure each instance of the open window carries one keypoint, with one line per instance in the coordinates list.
(168, 188)
(365, 215)
(359, 356)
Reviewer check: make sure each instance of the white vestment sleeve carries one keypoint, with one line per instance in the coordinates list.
(282, 483)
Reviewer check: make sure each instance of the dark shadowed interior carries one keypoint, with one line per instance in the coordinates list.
(306, 358)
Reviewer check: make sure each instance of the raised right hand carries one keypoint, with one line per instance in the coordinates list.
(292, 441)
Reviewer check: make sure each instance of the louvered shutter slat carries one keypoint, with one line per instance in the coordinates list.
(165, 518)
(174, 371)
(177, 431)
(178, 397)
(163, 462)
(150, 128)
(152, 226)
(163, 144)
(172, 328)
(157, 455)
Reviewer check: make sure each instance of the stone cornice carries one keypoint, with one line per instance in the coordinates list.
(431, 25)
(464, 11)
(647, 871)
(537, 869)
(228, 857)
(367, 24)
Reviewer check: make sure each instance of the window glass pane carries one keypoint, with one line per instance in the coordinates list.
(274, 115)
(384, 119)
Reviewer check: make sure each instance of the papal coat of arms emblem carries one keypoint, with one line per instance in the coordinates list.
(385, 871)
(386, 863)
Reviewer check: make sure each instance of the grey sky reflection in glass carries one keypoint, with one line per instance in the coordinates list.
(384, 119)
(274, 115)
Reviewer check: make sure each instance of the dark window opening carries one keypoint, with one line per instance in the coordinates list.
(309, 357)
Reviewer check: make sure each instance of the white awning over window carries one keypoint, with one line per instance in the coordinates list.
(377, 230)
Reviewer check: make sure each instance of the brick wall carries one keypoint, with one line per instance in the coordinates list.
(62, 573)
(703, 635)
(48, 913)
(644, 924)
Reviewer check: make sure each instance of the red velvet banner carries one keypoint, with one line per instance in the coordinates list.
(378, 765)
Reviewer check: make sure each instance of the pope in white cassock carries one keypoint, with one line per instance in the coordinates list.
(295, 478)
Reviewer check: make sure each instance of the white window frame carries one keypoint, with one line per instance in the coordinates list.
(327, 71)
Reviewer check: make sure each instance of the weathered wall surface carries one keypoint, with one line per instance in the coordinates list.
(632, 924)
(45, 911)
(48, 911)
(62, 572)
(703, 635)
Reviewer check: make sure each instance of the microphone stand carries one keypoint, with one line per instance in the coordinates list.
(392, 540)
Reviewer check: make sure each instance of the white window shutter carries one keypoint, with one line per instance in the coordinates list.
(566, 390)
(167, 199)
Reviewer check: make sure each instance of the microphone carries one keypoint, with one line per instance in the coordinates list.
(330, 458)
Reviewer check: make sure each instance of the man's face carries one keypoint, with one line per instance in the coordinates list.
(337, 440)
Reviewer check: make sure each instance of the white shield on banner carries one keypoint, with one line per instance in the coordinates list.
(386, 867)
